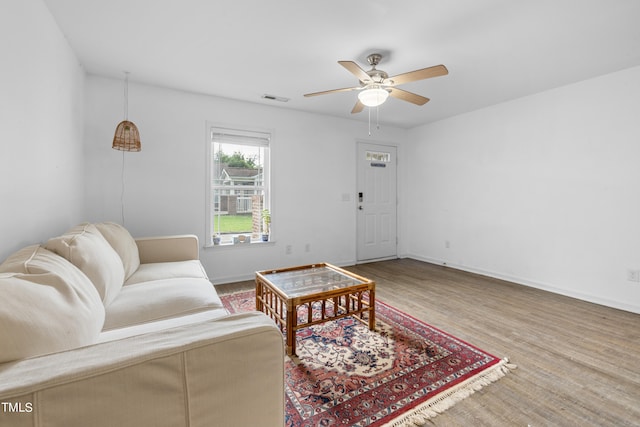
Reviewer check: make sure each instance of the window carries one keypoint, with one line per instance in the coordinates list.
(238, 208)
(378, 156)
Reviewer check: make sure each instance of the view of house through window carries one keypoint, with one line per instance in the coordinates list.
(238, 202)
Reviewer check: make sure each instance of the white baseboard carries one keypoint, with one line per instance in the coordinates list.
(232, 279)
(633, 308)
(252, 275)
(525, 282)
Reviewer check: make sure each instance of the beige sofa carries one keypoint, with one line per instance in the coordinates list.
(99, 329)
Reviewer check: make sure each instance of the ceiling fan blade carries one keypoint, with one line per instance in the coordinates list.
(408, 96)
(358, 107)
(355, 69)
(412, 76)
(346, 89)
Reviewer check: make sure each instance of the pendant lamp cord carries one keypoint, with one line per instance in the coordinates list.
(122, 192)
(126, 95)
(126, 117)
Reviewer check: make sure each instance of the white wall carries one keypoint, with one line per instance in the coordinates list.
(543, 190)
(313, 165)
(41, 147)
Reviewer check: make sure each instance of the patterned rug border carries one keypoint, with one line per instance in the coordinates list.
(422, 412)
(419, 413)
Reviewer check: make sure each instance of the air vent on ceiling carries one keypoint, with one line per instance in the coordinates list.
(275, 98)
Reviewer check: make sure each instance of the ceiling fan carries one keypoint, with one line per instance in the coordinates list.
(376, 85)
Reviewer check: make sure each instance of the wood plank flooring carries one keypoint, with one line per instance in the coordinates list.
(578, 362)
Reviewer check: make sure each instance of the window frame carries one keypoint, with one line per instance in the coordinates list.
(239, 135)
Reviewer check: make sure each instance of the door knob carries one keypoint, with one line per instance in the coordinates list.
(360, 207)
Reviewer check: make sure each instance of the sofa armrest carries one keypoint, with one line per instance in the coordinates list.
(227, 371)
(168, 248)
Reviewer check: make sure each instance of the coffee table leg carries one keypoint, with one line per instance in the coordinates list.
(292, 321)
(259, 296)
(372, 312)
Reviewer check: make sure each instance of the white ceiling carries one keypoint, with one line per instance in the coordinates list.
(495, 50)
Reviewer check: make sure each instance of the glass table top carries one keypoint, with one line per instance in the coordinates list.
(310, 281)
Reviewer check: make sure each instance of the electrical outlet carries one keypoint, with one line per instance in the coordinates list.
(633, 275)
(307, 247)
(288, 250)
(447, 244)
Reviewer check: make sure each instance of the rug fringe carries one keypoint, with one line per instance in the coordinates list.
(432, 407)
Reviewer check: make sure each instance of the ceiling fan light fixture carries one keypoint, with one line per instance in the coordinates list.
(373, 96)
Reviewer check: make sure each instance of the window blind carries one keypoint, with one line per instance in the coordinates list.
(231, 136)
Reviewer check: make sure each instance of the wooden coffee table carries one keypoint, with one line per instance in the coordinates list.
(324, 291)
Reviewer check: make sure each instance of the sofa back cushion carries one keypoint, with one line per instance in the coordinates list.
(125, 246)
(86, 248)
(48, 305)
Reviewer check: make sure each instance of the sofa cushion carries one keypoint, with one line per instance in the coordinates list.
(125, 246)
(161, 325)
(161, 299)
(167, 270)
(88, 250)
(48, 305)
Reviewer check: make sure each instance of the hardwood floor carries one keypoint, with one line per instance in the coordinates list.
(578, 362)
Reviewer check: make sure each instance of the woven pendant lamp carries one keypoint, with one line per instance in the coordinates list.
(126, 137)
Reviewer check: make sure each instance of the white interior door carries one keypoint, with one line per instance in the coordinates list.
(376, 202)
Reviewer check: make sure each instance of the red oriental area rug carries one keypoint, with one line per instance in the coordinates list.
(400, 375)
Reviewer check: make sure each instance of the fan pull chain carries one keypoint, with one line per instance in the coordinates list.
(377, 118)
